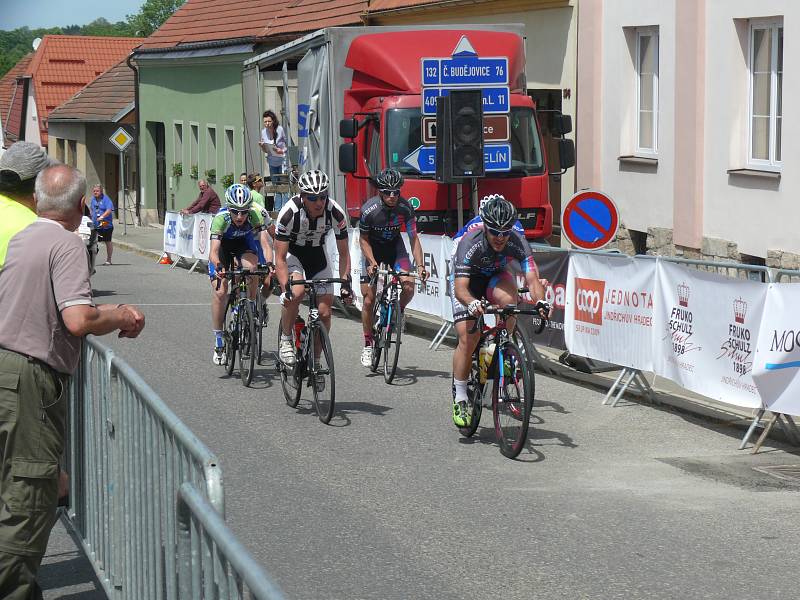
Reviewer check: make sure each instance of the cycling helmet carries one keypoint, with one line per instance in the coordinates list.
(238, 197)
(498, 212)
(389, 179)
(313, 182)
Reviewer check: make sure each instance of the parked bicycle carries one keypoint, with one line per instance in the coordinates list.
(241, 332)
(387, 321)
(501, 360)
(314, 356)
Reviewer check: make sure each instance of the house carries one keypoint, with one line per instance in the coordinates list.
(12, 97)
(684, 128)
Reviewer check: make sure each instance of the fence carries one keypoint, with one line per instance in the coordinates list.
(127, 455)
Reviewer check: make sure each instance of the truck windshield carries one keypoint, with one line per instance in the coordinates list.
(404, 135)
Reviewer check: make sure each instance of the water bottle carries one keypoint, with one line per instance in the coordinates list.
(299, 330)
(484, 361)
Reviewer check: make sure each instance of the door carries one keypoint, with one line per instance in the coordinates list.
(550, 100)
(111, 180)
(161, 172)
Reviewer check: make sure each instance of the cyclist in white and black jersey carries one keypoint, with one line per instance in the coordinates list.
(300, 231)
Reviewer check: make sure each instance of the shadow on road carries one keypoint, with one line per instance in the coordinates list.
(409, 375)
(342, 411)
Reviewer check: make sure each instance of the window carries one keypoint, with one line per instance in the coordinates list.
(229, 156)
(193, 145)
(766, 90)
(178, 143)
(72, 153)
(211, 149)
(60, 151)
(647, 90)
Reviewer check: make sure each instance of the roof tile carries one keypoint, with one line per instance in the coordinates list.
(8, 85)
(103, 99)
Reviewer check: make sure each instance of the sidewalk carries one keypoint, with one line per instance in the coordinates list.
(65, 570)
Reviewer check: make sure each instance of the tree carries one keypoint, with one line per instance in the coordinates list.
(151, 16)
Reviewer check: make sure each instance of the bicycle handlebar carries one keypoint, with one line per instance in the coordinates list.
(323, 281)
(398, 273)
(511, 309)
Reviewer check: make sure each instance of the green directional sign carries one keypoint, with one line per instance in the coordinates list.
(414, 202)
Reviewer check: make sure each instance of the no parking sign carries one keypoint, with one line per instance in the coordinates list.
(590, 220)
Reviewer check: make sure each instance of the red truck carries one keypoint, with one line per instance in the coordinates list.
(367, 85)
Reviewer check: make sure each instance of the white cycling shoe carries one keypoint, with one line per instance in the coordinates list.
(366, 357)
(286, 352)
(219, 355)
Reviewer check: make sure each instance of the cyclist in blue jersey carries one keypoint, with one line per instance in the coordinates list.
(477, 221)
(483, 267)
(237, 234)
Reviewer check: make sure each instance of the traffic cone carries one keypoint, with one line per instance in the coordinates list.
(165, 259)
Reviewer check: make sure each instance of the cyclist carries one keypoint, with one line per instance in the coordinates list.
(300, 231)
(483, 266)
(382, 217)
(476, 222)
(237, 232)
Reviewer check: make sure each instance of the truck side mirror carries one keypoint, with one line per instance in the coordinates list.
(566, 153)
(562, 124)
(348, 128)
(347, 157)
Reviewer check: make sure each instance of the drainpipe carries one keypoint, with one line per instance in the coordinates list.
(138, 137)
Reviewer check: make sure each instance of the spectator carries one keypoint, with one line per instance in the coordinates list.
(243, 178)
(19, 166)
(207, 201)
(273, 143)
(101, 210)
(256, 184)
(47, 309)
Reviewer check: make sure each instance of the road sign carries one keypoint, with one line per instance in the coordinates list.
(496, 157)
(590, 220)
(496, 100)
(121, 139)
(495, 129)
(414, 202)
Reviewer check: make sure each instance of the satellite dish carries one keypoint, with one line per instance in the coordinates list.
(36, 43)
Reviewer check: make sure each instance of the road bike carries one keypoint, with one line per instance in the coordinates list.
(240, 327)
(387, 320)
(261, 312)
(313, 356)
(501, 360)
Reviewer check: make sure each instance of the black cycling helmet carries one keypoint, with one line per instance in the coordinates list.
(497, 212)
(389, 179)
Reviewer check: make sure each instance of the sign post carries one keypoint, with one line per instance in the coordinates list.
(121, 140)
(590, 220)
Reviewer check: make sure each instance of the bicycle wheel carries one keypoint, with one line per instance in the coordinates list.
(391, 345)
(248, 342)
(512, 399)
(320, 373)
(231, 337)
(291, 377)
(377, 335)
(474, 402)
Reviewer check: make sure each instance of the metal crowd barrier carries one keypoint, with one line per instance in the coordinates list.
(127, 455)
(202, 532)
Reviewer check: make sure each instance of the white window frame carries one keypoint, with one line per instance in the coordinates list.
(771, 164)
(651, 32)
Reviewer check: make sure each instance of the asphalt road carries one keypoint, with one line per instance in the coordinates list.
(389, 502)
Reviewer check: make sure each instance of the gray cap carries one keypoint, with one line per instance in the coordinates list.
(26, 160)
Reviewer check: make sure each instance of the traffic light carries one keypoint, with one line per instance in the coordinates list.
(459, 135)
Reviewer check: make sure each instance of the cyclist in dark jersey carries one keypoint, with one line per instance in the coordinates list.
(237, 233)
(382, 218)
(483, 266)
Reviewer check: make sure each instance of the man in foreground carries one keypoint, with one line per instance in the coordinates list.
(47, 309)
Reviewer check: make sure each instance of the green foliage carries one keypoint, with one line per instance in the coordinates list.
(152, 15)
(177, 169)
(193, 172)
(227, 180)
(211, 175)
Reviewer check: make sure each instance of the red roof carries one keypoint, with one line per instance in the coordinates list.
(8, 87)
(309, 15)
(106, 99)
(63, 64)
(380, 5)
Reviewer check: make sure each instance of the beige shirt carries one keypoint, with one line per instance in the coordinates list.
(46, 271)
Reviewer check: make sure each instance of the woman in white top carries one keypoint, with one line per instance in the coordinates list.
(273, 134)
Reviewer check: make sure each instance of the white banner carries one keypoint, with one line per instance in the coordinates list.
(447, 261)
(171, 232)
(201, 235)
(428, 295)
(609, 309)
(705, 332)
(777, 361)
(185, 235)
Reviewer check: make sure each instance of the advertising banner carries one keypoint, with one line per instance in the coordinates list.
(171, 232)
(705, 332)
(777, 359)
(554, 267)
(446, 260)
(185, 235)
(201, 235)
(609, 309)
(428, 295)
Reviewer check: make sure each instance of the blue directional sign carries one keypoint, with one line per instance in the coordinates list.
(474, 71)
(496, 157)
(430, 71)
(496, 100)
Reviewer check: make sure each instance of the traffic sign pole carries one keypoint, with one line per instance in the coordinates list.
(121, 140)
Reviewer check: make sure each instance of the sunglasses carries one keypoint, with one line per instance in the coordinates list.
(390, 192)
(315, 197)
(499, 232)
(233, 211)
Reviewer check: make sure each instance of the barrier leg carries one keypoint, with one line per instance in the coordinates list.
(176, 262)
(197, 262)
(787, 424)
(752, 428)
(624, 388)
(644, 386)
(614, 385)
(440, 335)
(762, 438)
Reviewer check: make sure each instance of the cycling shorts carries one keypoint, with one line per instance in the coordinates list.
(394, 255)
(480, 287)
(310, 263)
(230, 249)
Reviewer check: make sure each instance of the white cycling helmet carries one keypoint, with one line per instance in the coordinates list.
(313, 182)
(238, 197)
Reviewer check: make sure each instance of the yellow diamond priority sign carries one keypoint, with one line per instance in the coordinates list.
(121, 139)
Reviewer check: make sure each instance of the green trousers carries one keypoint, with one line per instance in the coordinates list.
(33, 413)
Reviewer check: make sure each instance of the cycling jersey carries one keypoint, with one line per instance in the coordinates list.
(477, 223)
(475, 256)
(223, 227)
(382, 224)
(296, 227)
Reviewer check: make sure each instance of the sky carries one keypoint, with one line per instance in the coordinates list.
(59, 13)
